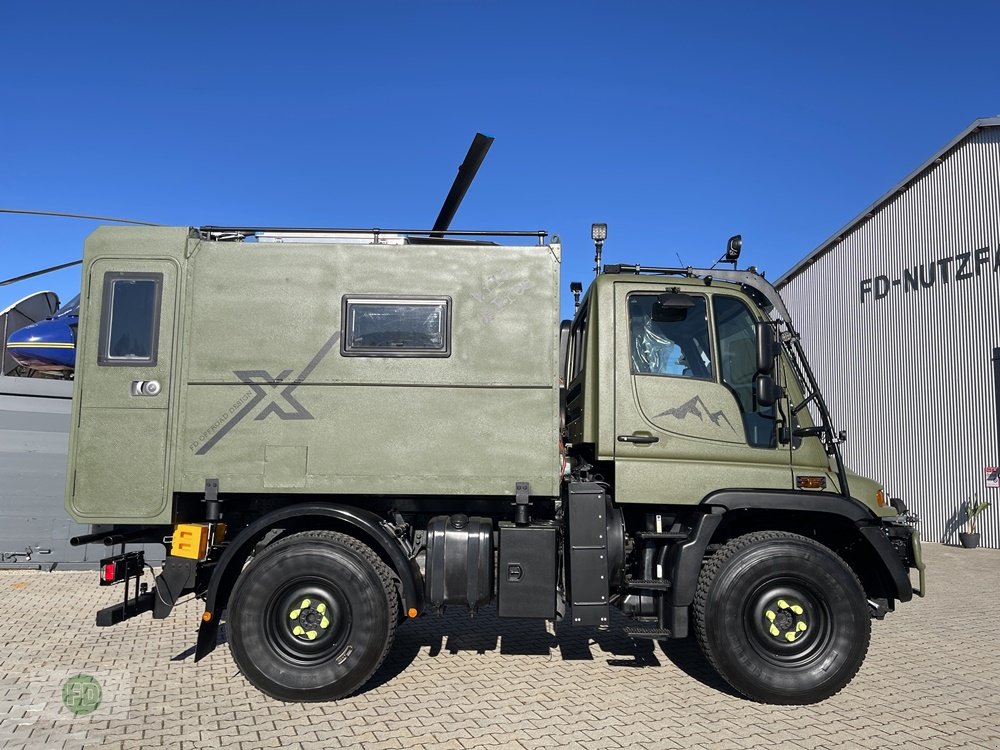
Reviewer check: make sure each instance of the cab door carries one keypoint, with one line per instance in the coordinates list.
(686, 421)
(124, 382)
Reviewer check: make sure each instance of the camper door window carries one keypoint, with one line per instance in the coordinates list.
(130, 313)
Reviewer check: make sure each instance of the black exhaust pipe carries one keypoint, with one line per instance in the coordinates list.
(111, 538)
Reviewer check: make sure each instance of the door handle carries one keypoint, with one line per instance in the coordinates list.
(145, 387)
(639, 439)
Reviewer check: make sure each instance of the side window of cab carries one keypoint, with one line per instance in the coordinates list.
(671, 342)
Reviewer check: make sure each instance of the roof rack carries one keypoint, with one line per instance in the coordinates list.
(417, 235)
(751, 280)
(664, 270)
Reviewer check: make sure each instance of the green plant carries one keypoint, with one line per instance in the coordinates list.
(974, 507)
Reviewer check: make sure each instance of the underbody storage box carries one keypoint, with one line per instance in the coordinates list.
(527, 571)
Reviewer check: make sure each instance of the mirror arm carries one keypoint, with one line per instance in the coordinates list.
(805, 402)
(809, 431)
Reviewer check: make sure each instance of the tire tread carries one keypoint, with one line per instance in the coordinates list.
(366, 553)
(733, 547)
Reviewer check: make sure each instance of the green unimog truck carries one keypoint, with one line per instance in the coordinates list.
(334, 432)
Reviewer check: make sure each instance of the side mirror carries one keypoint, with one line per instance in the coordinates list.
(767, 348)
(767, 392)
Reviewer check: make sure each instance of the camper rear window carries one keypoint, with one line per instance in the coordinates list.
(130, 314)
(396, 326)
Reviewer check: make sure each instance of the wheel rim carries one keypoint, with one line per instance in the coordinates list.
(787, 622)
(307, 621)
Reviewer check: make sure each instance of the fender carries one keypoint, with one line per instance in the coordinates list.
(303, 517)
(850, 510)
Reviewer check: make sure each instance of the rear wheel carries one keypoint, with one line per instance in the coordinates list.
(312, 617)
(782, 618)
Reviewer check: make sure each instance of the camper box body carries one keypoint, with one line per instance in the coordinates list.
(262, 366)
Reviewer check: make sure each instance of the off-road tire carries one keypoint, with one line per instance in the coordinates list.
(312, 617)
(771, 581)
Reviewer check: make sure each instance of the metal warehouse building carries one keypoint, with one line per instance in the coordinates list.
(899, 313)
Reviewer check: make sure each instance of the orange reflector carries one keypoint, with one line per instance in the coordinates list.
(206, 616)
(880, 498)
(412, 612)
(810, 483)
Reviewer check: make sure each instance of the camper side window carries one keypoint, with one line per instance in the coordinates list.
(130, 313)
(376, 326)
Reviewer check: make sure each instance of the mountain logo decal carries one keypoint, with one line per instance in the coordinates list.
(697, 408)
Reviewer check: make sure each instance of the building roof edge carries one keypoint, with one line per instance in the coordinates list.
(903, 185)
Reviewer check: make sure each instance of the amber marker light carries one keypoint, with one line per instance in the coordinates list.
(880, 498)
(412, 612)
(810, 482)
(206, 616)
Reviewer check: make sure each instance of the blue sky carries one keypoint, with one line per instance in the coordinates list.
(677, 124)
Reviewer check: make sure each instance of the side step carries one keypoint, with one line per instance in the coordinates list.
(121, 612)
(658, 584)
(644, 535)
(655, 634)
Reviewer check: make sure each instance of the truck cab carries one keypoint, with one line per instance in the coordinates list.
(666, 395)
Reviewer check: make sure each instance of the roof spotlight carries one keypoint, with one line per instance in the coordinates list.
(733, 248)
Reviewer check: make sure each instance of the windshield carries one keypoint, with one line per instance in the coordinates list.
(70, 308)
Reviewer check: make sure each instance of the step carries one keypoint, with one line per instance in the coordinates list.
(655, 634)
(657, 584)
(662, 534)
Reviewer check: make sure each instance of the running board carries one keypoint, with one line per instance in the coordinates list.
(664, 535)
(655, 634)
(121, 612)
(658, 584)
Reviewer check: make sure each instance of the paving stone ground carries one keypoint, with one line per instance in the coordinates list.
(931, 680)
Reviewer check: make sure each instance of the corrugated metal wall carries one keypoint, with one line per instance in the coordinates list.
(909, 372)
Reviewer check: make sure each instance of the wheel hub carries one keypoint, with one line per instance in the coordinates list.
(785, 619)
(309, 618)
(308, 621)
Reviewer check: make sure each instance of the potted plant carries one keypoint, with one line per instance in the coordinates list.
(973, 508)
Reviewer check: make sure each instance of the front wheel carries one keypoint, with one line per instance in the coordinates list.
(782, 618)
(312, 617)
